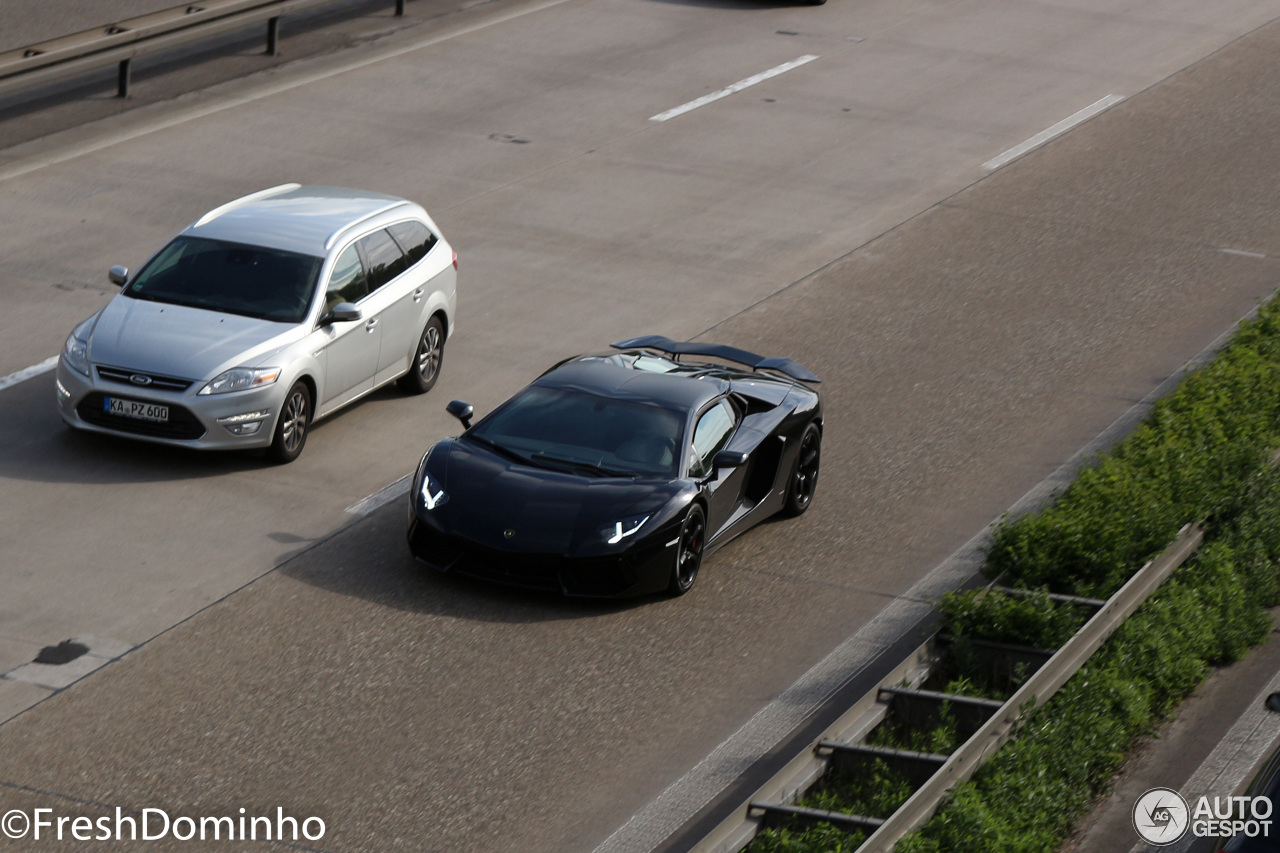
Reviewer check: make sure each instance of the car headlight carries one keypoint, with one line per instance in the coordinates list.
(75, 353)
(241, 379)
(619, 530)
(432, 494)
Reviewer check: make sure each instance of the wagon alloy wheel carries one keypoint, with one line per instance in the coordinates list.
(291, 429)
(804, 477)
(426, 360)
(689, 552)
(430, 351)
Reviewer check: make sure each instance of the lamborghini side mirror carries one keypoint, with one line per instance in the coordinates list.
(462, 411)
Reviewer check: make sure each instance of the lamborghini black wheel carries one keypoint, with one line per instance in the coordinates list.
(804, 476)
(693, 534)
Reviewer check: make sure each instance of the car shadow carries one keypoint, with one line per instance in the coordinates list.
(370, 560)
(35, 445)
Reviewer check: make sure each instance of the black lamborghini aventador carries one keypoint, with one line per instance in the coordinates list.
(616, 474)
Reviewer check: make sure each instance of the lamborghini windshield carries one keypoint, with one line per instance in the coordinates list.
(269, 284)
(586, 433)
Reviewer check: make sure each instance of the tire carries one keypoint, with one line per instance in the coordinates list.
(804, 474)
(293, 425)
(427, 359)
(693, 535)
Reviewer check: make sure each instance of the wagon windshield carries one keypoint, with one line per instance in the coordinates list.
(269, 284)
(559, 428)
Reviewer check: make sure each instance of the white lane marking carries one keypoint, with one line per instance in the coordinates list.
(381, 498)
(736, 87)
(684, 797)
(27, 372)
(1242, 253)
(1045, 135)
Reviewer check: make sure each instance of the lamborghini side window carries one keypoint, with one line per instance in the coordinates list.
(710, 436)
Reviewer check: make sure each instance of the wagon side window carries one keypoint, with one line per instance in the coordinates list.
(347, 282)
(415, 238)
(384, 258)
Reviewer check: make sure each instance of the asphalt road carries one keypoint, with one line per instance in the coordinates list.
(974, 329)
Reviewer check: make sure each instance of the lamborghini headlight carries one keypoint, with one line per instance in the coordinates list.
(432, 494)
(620, 530)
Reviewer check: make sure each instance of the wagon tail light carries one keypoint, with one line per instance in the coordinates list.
(455, 260)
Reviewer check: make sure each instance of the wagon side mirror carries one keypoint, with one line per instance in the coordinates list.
(343, 312)
(462, 411)
(118, 275)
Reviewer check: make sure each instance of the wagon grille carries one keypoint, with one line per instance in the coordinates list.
(126, 377)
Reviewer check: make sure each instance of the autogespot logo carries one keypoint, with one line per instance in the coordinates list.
(1160, 816)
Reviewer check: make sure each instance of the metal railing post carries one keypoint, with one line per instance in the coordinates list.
(123, 72)
(119, 43)
(273, 36)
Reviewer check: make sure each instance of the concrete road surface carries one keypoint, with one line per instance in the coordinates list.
(974, 328)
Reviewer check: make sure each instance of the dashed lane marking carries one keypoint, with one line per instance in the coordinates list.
(1045, 135)
(736, 87)
(28, 372)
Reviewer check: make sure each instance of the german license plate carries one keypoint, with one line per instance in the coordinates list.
(135, 409)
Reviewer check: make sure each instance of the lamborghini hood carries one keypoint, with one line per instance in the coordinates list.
(513, 506)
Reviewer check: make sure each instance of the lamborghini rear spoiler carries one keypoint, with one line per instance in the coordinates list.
(739, 356)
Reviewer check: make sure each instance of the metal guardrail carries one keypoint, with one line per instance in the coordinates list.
(789, 784)
(119, 44)
(1037, 690)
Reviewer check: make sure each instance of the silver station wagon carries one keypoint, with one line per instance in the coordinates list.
(265, 314)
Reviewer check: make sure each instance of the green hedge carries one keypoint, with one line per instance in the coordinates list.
(1188, 460)
(1202, 454)
(1027, 797)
